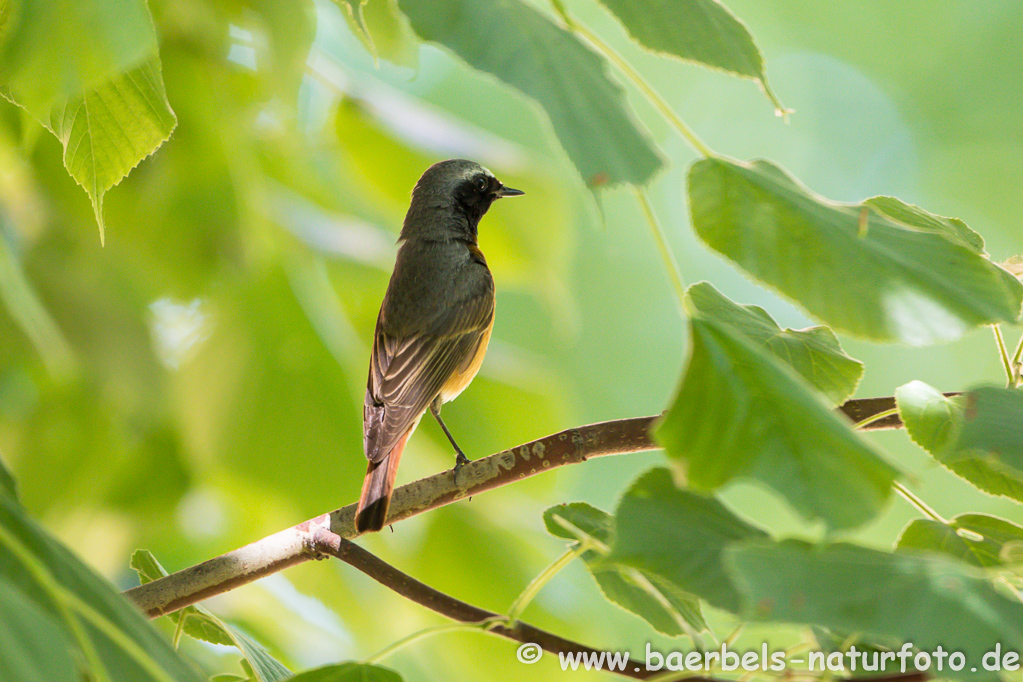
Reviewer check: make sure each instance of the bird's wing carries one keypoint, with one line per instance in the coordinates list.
(407, 374)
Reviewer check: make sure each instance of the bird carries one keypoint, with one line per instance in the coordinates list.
(434, 323)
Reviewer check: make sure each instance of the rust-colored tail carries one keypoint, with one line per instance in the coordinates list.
(377, 488)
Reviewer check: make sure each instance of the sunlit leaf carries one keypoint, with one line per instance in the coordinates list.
(109, 129)
(854, 267)
(523, 48)
(90, 73)
(52, 50)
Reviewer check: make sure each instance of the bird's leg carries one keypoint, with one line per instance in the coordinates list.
(460, 458)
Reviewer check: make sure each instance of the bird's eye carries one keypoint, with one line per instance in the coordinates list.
(482, 184)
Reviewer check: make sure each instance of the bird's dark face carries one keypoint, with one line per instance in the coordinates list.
(477, 190)
(452, 196)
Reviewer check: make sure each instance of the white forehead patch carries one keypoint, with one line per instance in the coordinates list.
(474, 171)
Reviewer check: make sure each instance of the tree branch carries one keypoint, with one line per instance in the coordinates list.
(298, 543)
(455, 609)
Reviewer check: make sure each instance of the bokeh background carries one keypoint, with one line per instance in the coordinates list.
(196, 383)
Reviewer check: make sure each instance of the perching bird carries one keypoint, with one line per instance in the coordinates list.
(434, 323)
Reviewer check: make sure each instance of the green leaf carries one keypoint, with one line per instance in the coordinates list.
(523, 48)
(201, 624)
(678, 537)
(814, 353)
(382, 30)
(33, 646)
(90, 73)
(659, 602)
(702, 31)
(31, 315)
(932, 420)
(108, 636)
(954, 229)
(853, 266)
(977, 539)
(741, 412)
(291, 28)
(348, 672)
(110, 128)
(52, 50)
(978, 436)
(577, 521)
(8, 486)
(923, 599)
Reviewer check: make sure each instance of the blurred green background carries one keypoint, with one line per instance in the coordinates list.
(197, 383)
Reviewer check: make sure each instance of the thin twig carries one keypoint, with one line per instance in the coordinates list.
(453, 608)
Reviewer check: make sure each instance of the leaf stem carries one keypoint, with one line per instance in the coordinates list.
(876, 418)
(648, 91)
(922, 506)
(1010, 370)
(662, 244)
(422, 634)
(1017, 363)
(544, 577)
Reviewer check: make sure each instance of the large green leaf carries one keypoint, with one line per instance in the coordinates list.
(108, 637)
(382, 30)
(90, 73)
(978, 436)
(348, 672)
(881, 270)
(523, 48)
(702, 31)
(922, 599)
(814, 353)
(678, 537)
(978, 539)
(33, 646)
(659, 602)
(201, 624)
(741, 412)
(52, 50)
(8, 486)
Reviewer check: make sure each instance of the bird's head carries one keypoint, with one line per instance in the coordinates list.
(450, 198)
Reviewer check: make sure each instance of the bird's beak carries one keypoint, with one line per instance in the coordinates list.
(508, 192)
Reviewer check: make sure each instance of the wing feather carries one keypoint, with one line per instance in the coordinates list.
(407, 374)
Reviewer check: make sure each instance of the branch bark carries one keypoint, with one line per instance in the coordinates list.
(298, 543)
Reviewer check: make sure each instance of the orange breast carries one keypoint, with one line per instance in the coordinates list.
(464, 375)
